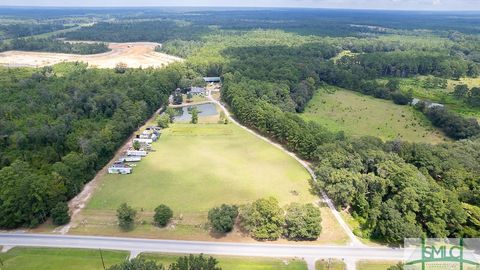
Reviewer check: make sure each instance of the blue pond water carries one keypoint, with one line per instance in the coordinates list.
(183, 113)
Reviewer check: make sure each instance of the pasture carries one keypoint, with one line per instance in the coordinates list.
(361, 115)
(59, 259)
(194, 168)
(375, 265)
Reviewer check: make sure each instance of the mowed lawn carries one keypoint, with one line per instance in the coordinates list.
(360, 115)
(59, 259)
(375, 265)
(237, 263)
(194, 168)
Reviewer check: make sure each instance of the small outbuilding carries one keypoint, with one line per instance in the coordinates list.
(212, 79)
(197, 91)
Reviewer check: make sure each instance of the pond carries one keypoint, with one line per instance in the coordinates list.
(183, 113)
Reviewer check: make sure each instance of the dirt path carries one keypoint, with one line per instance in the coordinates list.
(134, 54)
(78, 202)
(353, 239)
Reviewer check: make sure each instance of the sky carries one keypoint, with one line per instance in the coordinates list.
(355, 4)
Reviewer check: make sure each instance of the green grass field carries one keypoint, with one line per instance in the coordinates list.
(58, 259)
(375, 265)
(360, 115)
(326, 264)
(238, 263)
(194, 168)
(441, 95)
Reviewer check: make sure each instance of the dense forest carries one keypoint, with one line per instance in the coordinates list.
(57, 131)
(271, 63)
(16, 30)
(52, 45)
(152, 30)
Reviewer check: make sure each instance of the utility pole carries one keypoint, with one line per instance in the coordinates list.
(101, 256)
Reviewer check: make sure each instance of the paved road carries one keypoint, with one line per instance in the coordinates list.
(353, 239)
(135, 245)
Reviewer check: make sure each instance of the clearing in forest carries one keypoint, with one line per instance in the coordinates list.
(195, 168)
(135, 54)
(361, 115)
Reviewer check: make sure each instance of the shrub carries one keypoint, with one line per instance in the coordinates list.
(137, 264)
(60, 214)
(195, 262)
(303, 222)
(126, 217)
(163, 121)
(223, 218)
(162, 216)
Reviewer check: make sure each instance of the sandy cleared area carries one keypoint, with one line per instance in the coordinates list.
(135, 54)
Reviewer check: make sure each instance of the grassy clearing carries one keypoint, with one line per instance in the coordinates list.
(329, 264)
(416, 85)
(61, 259)
(194, 168)
(361, 115)
(238, 263)
(375, 265)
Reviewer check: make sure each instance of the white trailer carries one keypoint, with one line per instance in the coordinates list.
(133, 152)
(119, 168)
(130, 158)
(145, 141)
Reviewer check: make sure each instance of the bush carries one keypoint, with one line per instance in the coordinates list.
(126, 217)
(163, 121)
(60, 214)
(400, 98)
(303, 222)
(263, 219)
(162, 216)
(223, 218)
(137, 264)
(195, 262)
(136, 145)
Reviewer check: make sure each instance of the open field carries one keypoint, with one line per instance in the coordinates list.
(360, 115)
(375, 265)
(238, 263)
(194, 168)
(59, 259)
(416, 85)
(332, 264)
(136, 54)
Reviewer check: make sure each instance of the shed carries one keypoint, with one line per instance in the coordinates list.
(212, 79)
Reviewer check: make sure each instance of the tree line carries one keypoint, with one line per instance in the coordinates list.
(53, 45)
(157, 30)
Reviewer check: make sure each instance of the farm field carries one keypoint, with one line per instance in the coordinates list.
(375, 265)
(360, 115)
(135, 54)
(194, 168)
(238, 263)
(58, 259)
